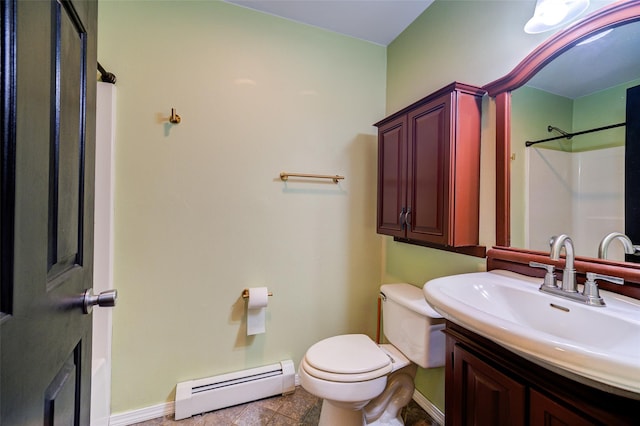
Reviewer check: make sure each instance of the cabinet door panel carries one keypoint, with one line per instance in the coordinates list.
(484, 395)
(428, 171)
(546, 412)
(392, 175)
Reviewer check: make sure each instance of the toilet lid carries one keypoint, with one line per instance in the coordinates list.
(350, 354)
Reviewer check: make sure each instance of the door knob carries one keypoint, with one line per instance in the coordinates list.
(106, 298)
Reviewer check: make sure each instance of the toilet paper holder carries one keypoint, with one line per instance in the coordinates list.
(245, 293)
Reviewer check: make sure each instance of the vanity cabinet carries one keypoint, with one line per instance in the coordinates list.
(546, 411)
(485, 384)
(487, 396)
(429, 169)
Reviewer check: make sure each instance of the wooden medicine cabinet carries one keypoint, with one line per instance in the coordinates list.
(429, 171)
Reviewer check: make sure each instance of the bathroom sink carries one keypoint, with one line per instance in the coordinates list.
(596, 345)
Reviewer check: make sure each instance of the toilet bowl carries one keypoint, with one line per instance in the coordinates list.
(363, 383)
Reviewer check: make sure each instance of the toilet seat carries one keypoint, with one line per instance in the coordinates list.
(346, 358)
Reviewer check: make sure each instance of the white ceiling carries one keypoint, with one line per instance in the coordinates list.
(377, 21)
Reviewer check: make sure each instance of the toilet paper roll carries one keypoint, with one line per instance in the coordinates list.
(257, 310)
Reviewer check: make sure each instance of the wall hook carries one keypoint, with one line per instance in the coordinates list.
(175, 118)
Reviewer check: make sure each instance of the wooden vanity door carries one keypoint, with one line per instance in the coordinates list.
(546, 412)
(484, 395)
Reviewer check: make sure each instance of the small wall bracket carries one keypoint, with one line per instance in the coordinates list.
(175, 118)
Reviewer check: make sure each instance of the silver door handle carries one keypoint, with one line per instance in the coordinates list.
(106, 298)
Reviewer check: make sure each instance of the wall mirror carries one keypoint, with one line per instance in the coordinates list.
(574, 82)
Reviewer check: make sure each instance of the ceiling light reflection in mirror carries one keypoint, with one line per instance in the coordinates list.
(550, 14)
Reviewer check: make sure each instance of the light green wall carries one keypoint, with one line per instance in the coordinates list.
(200, 210)
(473, 42)
(532, 110)
(416, 265)
(598, 110)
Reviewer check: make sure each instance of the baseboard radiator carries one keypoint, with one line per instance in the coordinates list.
(213, 393)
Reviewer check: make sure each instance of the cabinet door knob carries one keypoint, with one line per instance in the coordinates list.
(407, 218)
(402, 219)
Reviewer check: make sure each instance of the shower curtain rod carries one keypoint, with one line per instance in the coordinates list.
(570, 135)
(105, 76)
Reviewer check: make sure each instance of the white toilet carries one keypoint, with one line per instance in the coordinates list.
(363, 383)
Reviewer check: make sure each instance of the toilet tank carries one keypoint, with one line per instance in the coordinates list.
(411, 325)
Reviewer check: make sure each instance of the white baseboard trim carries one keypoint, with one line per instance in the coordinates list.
(429, 407)
(149, 413)
(142, 414)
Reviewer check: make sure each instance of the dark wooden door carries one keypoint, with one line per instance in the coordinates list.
(545, 411)
(48, 132)
(429, 163)
(484, 395)
(392, 177)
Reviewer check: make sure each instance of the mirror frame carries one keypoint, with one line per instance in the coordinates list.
(612, 15)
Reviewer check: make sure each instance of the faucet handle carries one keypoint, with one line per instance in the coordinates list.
(591, 291)
(549, 277)
(592, 276)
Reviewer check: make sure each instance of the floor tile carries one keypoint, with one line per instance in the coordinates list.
(225, 416)
(254, 415)
(297, 409)
(297, 404)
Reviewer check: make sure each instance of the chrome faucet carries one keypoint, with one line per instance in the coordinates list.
(569, 283)
(569, 288)
(629, 248)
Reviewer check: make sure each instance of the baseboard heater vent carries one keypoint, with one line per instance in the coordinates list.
(213, 393)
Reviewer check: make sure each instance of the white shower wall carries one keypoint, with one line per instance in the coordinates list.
(580, 194)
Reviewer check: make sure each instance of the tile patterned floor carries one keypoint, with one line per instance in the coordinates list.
(299, 409)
